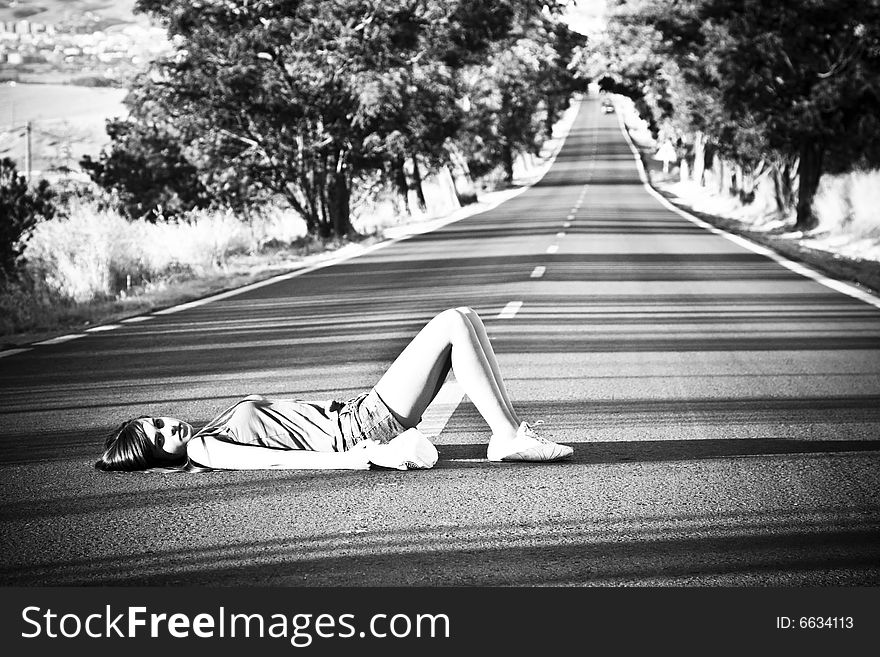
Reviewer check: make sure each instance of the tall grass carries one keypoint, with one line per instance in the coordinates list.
(95, 256)
(93, 253)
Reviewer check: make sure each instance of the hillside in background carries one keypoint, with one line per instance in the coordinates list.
(62, 11)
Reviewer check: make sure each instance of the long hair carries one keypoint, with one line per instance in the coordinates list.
(129, 449)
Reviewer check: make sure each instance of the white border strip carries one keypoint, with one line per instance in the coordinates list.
(796, 267)
(62, 338)
(103, 327)
(12, 352)
(275, 279)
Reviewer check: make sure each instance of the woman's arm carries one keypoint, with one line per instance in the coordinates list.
(214, 453)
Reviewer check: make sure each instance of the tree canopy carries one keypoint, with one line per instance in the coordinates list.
(295, 99)
(795, 81)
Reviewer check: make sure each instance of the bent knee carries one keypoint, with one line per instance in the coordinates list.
(453, 319)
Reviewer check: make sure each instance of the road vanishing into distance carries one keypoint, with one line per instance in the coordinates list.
(724, 412)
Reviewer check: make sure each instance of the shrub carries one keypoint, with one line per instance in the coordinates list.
(865, 201)
(848, 203)
(20, 210)
(147, 172)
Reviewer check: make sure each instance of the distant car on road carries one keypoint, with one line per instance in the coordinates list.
(607, 107)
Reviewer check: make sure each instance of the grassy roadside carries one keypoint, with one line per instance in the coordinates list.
(238, 271)
(860, 272)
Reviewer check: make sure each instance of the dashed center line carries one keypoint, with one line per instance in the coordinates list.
(570, 217)
(553, 248)
(441, 409)
(567, 224)
(510, 310)
(560, 234)
(538, 271)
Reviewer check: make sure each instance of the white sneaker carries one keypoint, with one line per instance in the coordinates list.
(527, 446)
(410, 450)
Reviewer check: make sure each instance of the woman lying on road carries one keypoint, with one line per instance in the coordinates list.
(377, 427)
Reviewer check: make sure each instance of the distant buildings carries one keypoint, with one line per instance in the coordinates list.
(78, 47)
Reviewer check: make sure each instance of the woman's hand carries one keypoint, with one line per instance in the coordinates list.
(410, 450)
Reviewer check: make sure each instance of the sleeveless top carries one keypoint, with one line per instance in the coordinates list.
(280, 424)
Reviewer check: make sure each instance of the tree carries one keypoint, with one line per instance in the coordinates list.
(795, 81)
(295, 99)
(147, 171)
(20, 209)
(518, 93)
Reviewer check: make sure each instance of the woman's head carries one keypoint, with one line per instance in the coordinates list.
(146, 442)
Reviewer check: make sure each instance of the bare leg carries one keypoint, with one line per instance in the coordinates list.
(483, 337)
(450, 339)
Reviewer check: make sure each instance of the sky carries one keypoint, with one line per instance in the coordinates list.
(586, 16)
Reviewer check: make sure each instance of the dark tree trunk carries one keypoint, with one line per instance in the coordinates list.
(311, 200)
(461, 177)
(399, 175)
(338, 205)
(550, 119)
(322, 194)
(809, 172)
(782, 188)
(699, 169)
(417, 184)
(338, 198)
(507, 162)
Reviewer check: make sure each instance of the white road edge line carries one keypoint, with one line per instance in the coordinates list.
(538, 272)
(62, 338)
(441, 409)
(12, 352)
(105, 327)
(553, 248)
(134, 320)
(510, 310)
(803, 270)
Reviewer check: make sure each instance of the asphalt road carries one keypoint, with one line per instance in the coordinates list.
(724, 413)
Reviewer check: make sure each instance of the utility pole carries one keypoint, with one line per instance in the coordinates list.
(27, 152)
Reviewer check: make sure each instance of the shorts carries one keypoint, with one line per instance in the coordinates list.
(366, 417)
